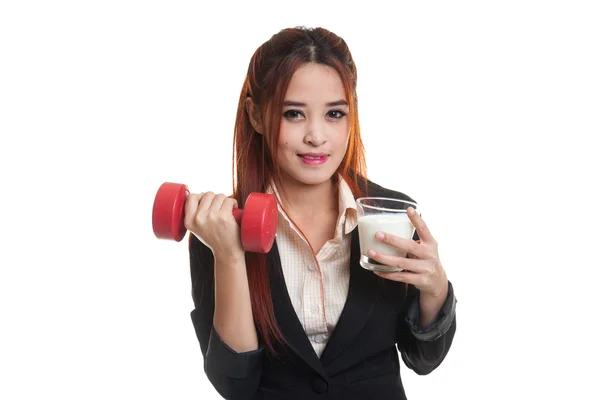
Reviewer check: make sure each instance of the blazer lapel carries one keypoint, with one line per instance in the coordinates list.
(286, 315)
(361, 300)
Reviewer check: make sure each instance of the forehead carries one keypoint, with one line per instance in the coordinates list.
(315, 83)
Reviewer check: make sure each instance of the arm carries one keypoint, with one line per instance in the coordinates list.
(223, 322)
(424, 335)
(424, 348)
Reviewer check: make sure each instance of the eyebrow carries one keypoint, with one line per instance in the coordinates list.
(298, 104)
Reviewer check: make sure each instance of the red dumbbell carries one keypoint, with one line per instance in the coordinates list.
(258, 219)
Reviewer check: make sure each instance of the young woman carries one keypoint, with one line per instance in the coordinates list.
(306, 321)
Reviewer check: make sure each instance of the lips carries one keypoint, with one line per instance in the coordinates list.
(313, 158)
(313, 155)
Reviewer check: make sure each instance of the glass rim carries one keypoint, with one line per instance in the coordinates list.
(411, 203)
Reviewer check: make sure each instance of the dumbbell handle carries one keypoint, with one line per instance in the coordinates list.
(237, 214)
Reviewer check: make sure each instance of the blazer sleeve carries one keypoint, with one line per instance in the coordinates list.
(423, 350)
(234, 375)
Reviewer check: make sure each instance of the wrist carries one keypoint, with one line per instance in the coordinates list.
(228, 257)
(430, 306)
(432, 300)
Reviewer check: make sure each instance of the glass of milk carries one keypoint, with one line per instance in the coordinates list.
(380, 214)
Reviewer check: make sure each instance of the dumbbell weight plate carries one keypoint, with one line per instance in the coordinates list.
(168, 211)
(259, 222)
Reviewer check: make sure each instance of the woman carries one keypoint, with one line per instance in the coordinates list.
(305, 320)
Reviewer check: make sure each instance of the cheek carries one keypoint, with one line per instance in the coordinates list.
(286, 135)
(344, 139)
(285, 150)
(284, 145)
(343, 132)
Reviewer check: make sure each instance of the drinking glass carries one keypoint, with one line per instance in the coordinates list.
(380, 214)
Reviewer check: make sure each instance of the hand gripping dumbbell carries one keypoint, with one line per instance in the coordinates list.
(257, 221)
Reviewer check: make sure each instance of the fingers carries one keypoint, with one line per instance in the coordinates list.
(207, 205)
(408, 245)
(431, 282)
(406, 277)
(419, 225)
(407, 264)
(229, 204)
(212, 205)
(206, 202)
(220, 204)
(191, 209)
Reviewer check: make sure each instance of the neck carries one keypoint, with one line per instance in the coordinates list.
(308, 200)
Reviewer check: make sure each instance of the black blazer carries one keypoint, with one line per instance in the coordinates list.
(360, 361)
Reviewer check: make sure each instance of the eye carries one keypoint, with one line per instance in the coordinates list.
(336, 114)
(293, 114)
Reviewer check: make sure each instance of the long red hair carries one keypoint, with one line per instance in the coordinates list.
(254, 163)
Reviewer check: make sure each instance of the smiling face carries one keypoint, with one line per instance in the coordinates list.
(315, 126)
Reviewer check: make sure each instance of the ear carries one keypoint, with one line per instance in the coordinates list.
(254, 114)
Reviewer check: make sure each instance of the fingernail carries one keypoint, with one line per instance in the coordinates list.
(411, 210)
(372, 253)
(379, 235)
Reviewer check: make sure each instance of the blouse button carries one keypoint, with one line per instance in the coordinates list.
(319, 338)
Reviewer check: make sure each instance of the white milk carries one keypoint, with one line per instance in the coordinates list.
(397, 224)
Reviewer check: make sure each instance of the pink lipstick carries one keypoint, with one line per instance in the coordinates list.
(313, 158)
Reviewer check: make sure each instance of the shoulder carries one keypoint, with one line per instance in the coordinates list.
(375, 190)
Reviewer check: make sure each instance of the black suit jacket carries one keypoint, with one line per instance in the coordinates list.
(379, 321)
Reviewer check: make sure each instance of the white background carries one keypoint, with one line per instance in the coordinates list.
(484, 112)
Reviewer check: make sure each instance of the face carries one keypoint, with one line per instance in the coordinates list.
(314, 127)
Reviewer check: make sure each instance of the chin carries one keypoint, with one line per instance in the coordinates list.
(312, 178)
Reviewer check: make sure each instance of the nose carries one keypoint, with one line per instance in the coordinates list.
(315, 134)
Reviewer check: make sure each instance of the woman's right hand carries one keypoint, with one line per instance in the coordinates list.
(209, 217)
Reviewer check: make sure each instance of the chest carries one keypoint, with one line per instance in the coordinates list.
(318, 230)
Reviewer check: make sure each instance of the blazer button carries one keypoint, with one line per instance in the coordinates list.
(319, 385)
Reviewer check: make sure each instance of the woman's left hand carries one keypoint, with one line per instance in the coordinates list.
(423, 269)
